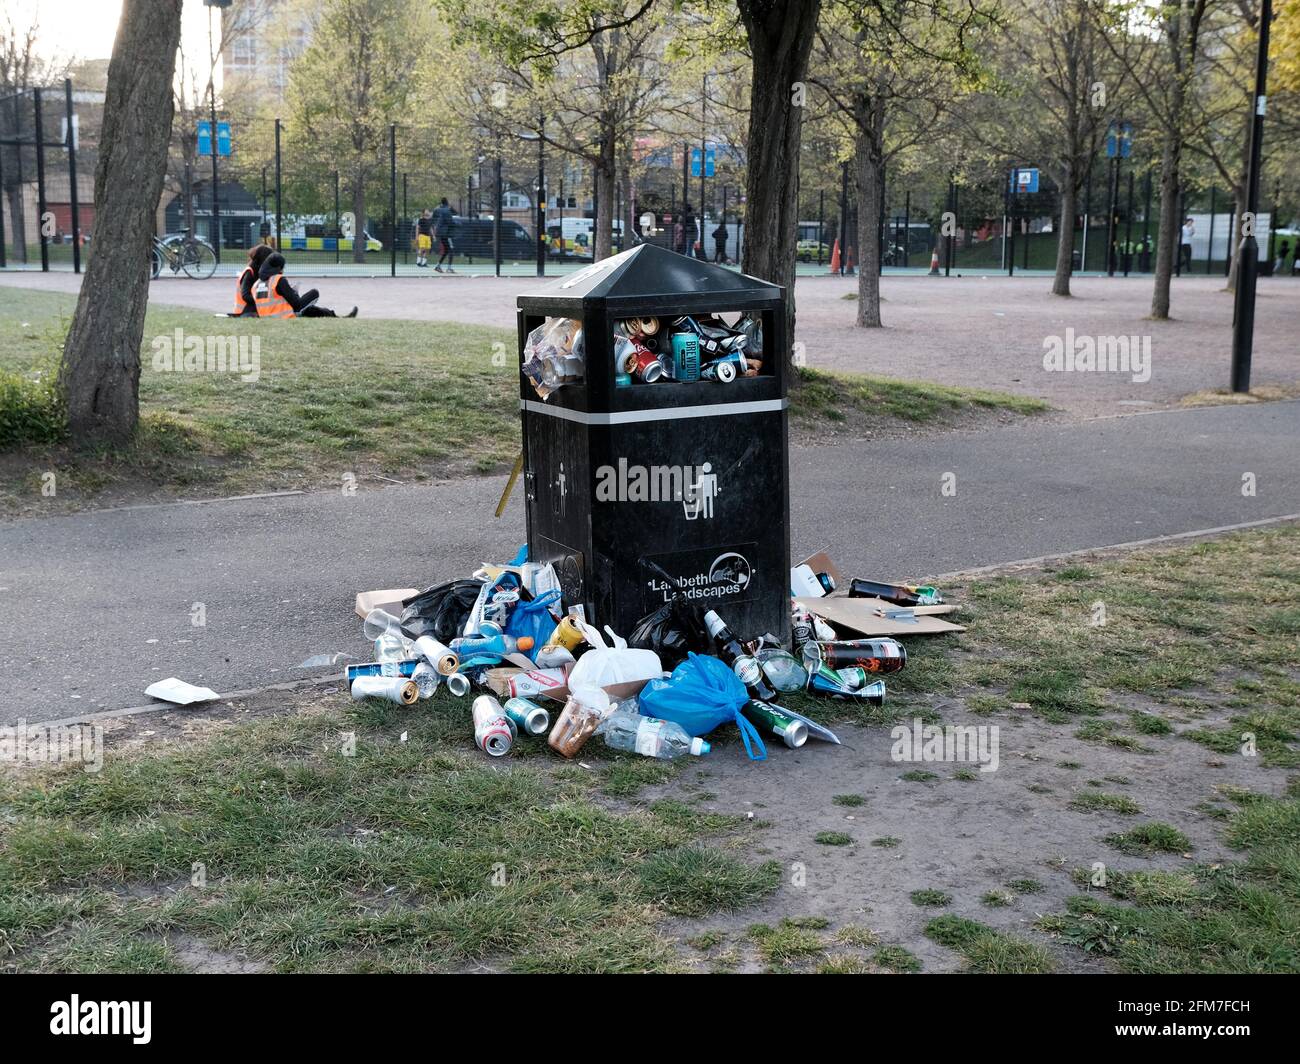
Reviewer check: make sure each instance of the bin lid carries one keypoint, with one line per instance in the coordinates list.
(649, 271)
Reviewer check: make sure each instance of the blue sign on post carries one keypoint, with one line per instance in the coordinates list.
(1119, 140)
(709, 162)
(1024, 179)
(204, 131)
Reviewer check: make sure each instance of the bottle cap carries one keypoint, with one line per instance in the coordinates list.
(699, 746)
(524, 642)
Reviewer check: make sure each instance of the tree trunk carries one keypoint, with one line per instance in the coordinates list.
(1235, 240)
(17, 231)
(866, 167)
(1170, 229)
(1065, 239)
(780, 34)
(605, 198)
(359, 216)
(100, 374)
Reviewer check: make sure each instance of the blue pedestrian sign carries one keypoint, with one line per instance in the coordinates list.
(1119, 140)
(1024, 179)
(204, 130)
(709, 160)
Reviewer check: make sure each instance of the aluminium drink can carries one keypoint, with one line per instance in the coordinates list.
(528, 717)
(494, 732)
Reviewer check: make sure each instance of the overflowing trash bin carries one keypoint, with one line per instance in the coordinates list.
(653, 399)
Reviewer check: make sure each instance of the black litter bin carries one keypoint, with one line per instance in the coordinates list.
(635, 491)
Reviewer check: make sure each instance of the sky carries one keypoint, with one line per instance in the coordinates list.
(85, 28)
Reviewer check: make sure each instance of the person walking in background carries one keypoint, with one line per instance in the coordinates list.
(423, 237)
(442, 223)
(1283, 250)
(1185, 247)
(720, 243)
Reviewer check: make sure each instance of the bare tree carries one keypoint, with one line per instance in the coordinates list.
(100, 374)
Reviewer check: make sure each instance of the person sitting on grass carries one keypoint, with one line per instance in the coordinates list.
(245, 306)
(277, 298)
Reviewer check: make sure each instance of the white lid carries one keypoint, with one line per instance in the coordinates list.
(699, 746)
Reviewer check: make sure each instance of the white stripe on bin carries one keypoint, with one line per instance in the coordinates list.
(631, 417)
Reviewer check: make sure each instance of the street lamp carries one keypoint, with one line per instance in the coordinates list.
(212, 108)
(1243, 327)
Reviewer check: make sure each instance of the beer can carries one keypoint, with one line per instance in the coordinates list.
(792, 732)
(437, 654)
(494, 733)
(686, 357)
(724, 372)
(534, 682)
(528, 717)
(827, 681)
(396, 689)
(380, 668)
(645, 366)
(458, 684)
(567, 634)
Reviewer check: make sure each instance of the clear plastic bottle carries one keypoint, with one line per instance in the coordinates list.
(660, 739)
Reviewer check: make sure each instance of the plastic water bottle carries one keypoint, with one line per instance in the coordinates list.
(661, 739)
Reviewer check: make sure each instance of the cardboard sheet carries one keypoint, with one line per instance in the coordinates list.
(858, 615)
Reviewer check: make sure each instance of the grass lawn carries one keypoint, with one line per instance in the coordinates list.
(379, 399)
(267, 843)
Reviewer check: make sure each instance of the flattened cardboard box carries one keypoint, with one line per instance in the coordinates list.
(859, 614)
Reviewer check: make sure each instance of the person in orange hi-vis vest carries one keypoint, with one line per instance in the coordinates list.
(245, 305)
(275, 297)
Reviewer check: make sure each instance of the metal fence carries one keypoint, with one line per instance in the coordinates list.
(309, 208)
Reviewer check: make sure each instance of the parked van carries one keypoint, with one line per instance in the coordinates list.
(575, 237)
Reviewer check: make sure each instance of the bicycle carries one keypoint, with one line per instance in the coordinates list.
(183, 252)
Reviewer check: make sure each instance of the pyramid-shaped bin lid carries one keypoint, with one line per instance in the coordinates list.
(650, 280)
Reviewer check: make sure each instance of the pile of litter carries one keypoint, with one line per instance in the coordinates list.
(648, 351)
(681, 674)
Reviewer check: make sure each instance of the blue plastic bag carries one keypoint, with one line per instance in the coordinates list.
(701, 694)
(534, 618)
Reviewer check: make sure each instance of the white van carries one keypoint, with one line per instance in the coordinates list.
(574, 237)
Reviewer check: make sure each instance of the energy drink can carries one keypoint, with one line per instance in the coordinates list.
(494, 732)
(874, 655)
(534, 682)
(794, 733)
(528, 717)
(396, 689)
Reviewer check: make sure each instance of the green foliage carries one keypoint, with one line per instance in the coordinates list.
(31, 409)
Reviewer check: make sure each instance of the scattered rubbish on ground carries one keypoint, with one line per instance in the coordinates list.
(865, 607)
(179, 692)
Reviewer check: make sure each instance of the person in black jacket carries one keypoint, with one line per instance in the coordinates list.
(304, 305)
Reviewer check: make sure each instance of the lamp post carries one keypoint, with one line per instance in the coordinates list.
(1243, 328)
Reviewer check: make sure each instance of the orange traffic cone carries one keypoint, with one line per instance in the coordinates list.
(835, 256)
(934, 262)
(849, 261)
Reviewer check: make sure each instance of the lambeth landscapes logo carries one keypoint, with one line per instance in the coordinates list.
(1073, 353)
